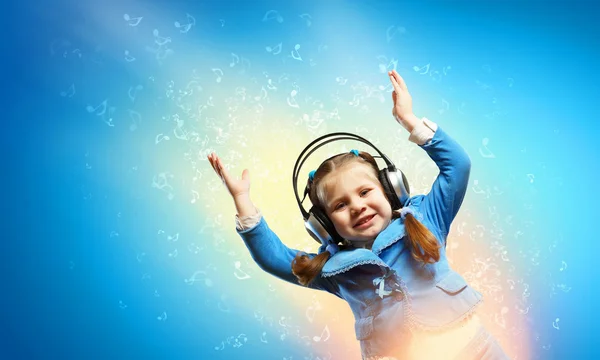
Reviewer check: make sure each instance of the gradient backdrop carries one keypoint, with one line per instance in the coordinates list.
(119, 240)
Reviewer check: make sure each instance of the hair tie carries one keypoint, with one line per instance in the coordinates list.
(355, 152)
(406, 210)
(311, 175)
(332, 248)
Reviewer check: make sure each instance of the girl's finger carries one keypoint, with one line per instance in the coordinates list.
(394, 82)
(399, 80)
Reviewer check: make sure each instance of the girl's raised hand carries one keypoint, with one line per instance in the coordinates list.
(402, 109)
(236, 187)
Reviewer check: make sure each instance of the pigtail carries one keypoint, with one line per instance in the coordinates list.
(423, 244)
(306, 269)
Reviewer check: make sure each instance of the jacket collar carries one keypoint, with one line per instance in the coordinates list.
(347, 259)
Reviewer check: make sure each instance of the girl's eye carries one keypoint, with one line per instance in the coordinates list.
(339, 206)
(364, 192)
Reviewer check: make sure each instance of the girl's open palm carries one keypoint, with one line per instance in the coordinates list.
(236, 187)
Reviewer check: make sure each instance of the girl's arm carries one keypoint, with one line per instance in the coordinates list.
(448, 190)
(264, 245)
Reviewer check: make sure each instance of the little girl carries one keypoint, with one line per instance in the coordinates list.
(388, 257)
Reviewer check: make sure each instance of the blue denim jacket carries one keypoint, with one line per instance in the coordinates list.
(389, 292)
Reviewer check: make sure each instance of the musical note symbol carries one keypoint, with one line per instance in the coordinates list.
(186, 27)
(103, 113)
(263, 337)
(160, 40)
(132, 21)
(355, 101)
(276, 50)
(531, 177)
(555, 324)
(420, 69)
(173, 254)
(136, 119)
(308, 19)
(272, 14)
(128, 57)
(445, 69)
(383, 67)
(162, 317)
(320, 337)
(238, 270)
(296, 48)
(510, 82)
(234, 60)
(392, 31)
(160, 137)
(122, 305)
(132, 93)
(222, 22)
(195, 196)
(292, 102)
(446, 107)
(222, 346)
(193, 279)
(564, 266)
(485, 152)
(70, 92)
(219, 73)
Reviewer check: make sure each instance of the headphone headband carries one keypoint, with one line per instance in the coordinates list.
(335, 136)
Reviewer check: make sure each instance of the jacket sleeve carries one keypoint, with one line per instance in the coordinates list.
(449, 188)
(275, 258)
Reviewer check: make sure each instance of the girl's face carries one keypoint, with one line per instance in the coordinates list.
(356, 204)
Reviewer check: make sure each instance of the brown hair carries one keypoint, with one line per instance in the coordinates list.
(422, 243)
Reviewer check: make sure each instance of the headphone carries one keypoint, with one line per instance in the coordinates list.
(316, 222)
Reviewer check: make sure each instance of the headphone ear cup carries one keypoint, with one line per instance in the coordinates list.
(388, 189)
(320, 227)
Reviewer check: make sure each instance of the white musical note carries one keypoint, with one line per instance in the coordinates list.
(195, 196)
(132, 93)
(160, 40)
(325, 333)
(186, 27)
(122, 305)
(420, 69)
(136, 119)
(446, 107)
(162, 317)
(272, 14)
(128, 57)
(510, 82)
(173, 254)
(445, 69)
(234, 60)
(105, 112)
(485, 152)
(70, 92)
(194, 278)
(563, 266)
(132, 21)
(276, 50)
(393, 30)
(160, 137)
(263, 337)
(555, 324)
(355, 101)
(292, 102)
(308, 19)
(239, 271)
(217, 72)
(296, 48)
(531, 177)
(222, 22)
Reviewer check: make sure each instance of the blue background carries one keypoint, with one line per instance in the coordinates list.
(88, 272)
